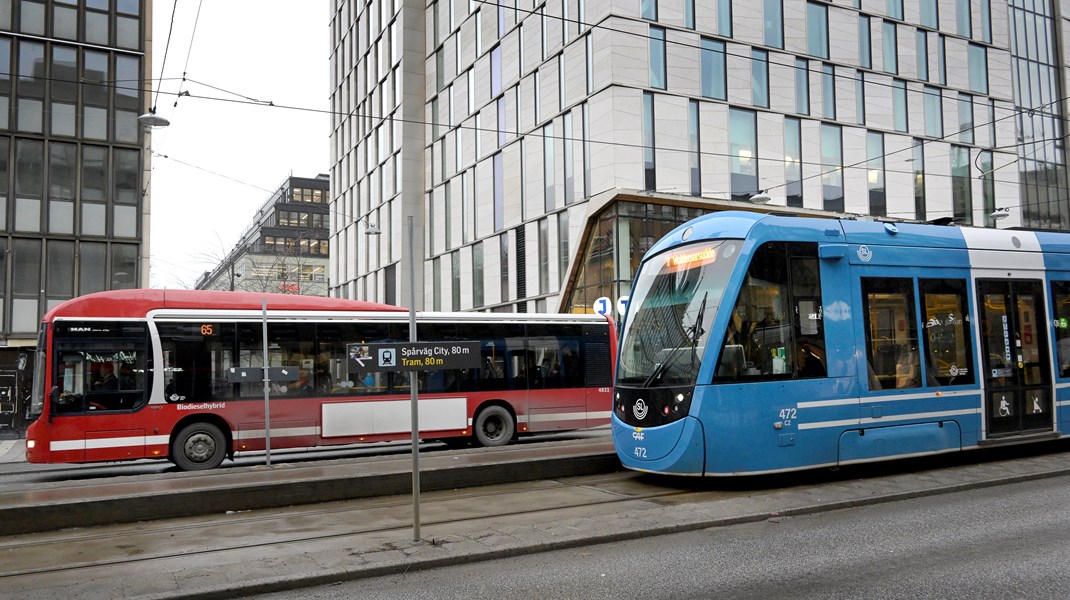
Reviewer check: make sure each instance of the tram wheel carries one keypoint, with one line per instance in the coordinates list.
(494, 426)
(198, 447)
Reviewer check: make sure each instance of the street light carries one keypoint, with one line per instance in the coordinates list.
(151, 119)
(760, 198)
(371, 229)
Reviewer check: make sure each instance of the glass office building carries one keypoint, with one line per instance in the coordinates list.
(541, 146)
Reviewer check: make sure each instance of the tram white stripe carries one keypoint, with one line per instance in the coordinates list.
(889, 419)
(889, 398)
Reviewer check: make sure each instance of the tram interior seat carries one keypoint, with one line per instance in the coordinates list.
(733, 361)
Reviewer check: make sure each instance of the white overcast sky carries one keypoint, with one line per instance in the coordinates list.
(223, 155)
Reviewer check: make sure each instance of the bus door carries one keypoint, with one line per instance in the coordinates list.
(1017, 368)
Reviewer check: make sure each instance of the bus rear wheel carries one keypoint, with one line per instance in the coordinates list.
(494, 426)
(198, 447)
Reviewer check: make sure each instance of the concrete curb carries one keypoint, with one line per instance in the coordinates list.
(464, 547)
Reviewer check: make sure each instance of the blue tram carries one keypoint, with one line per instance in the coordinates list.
(758, 343)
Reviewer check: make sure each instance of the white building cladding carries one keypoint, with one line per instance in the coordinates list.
(542, 146)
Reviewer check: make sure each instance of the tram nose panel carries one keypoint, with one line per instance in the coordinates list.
(677, 447)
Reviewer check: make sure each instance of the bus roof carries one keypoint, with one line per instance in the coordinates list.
(137, 303)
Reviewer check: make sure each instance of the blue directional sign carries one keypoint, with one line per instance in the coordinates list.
(414, 356)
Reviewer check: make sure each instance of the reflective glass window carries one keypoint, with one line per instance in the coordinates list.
(713, 69)
(817, 30)
(743, 151)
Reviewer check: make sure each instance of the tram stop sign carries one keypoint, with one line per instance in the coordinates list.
(414, 356)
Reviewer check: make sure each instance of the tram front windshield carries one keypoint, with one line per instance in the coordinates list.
(671, 312)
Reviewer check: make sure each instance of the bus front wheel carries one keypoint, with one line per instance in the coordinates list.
(494, 426)
(198, 447)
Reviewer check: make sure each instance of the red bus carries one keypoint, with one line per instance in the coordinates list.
(134, 374)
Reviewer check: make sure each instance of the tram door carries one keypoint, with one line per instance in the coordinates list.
(1017, 368)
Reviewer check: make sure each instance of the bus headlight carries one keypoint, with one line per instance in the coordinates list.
(30, 444)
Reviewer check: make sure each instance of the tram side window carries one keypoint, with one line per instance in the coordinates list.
(946, 318)
(1060, 291)
(776, 328)
(891, 333)
(197, 361)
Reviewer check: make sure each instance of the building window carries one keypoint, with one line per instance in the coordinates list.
(941, 60)
(817, 30)
(689, 14)
(759, 78)
(860, 97)
(724, 18)
(962, 18)
(917, 159)
(499, 195)
(988, 185)
(649, 180)
(774, 23)
(455, 280)
(978, 59)
(495, 71)
(549, 199)
(568, 141)
(585, 115)
(930, 13)
(899, 105)
(793, 161)
(878, 203)
(828, 92)
(923, 54)
(895, 9)
(865, 44)
(694, 146)
(713, 69)
(544, 256)
(503, 266)
(832, 168)
(891, 48)
(657, 58)
(802, 86)
(986, 21)
(934, 112)
(965, 118)
(562, 246)
(961, 200)
(477, 275)
(743, 148)
(588, 46)
(648, 9)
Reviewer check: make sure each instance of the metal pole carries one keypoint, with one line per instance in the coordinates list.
(414, 379)
(267, 392)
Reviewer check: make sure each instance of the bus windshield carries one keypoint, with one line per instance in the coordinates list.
(671, 309)
(37, 397)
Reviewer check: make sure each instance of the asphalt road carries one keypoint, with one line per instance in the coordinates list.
(1010, 541)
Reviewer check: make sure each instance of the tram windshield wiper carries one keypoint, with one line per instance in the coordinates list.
(673, 354)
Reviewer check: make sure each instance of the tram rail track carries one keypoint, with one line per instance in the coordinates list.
(140, 543)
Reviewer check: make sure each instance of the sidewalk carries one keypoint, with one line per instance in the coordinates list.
(12, 451)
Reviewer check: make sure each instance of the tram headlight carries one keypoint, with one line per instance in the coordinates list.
(680, 398)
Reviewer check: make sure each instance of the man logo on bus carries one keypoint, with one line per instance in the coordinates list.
(640, 409)
(865, 254)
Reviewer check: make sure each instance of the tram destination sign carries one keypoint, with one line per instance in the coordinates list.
(414, 356)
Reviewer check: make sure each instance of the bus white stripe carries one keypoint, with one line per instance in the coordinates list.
(115, 442)
(889, 419)
(576, 416)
